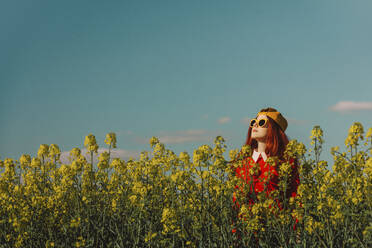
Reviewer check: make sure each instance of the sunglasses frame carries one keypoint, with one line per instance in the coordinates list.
(258, 121)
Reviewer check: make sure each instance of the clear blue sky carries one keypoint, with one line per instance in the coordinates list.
(183, 71)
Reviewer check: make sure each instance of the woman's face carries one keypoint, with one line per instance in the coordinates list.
(259, 133)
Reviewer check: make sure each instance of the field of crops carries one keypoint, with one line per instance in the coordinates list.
(169, 200)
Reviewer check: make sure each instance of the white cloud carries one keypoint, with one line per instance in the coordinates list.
(347, 106)
(185, 132)
(246, 120)
(115, 153)
(167, 139)
(183, 136)
(292, 121)
(127, 132)
(224, 120)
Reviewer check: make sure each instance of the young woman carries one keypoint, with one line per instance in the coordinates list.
(266, 137)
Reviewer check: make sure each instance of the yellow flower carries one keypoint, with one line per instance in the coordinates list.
(201, 154)
(54, 151)
(205, 174)
(133, 198)
(184, 157)
(149, 236)
(144, 156)
(76, 166)
(355, 133)
(369, 133)
(369, 138)
(316, 135)
(284, 169)
(355, 200)
(80, 242)
(197, 156)
(323, 188)
(319, 207)
(35, 163)
(103, 160)
(154, 141)
(111, 139)
(118, 164)
(309, 223)
(168, 219)
(301, 149)
(49, 244)
(75, 222)
(75, 153)
(43, 151)
(368, 167)
(233, 153)
(247, 150)
(90, 143)
(159, 148)
(25, 160)
(113, 205)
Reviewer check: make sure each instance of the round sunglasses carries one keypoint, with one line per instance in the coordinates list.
(261, 123)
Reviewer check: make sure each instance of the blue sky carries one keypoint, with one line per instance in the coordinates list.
(182, 71)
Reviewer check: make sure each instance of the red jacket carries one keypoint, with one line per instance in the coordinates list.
(262, 178)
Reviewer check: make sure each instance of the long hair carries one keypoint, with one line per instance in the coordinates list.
(276, 141)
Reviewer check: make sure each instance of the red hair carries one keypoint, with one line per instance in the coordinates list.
(276, 141)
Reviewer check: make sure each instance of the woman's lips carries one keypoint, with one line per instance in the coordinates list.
(255, 130)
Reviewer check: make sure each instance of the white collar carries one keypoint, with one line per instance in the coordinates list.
(255, 155)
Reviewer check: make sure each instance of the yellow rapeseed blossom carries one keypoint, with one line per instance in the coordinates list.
(75, 222)
(90, 143)
(185, 157)
(35, 163)
(316, 135)
(103, 160)
(247, 150)
(355, 133)
(54, 152)
(233, 153)
(284, 169)
(369, 133)
(168, 200)
(49, 244)
(75, 153)
(154, 141)
(149, 236)
(118, 165)
(111, 139)
(168, 219)
(80, 242)
(114, 204)
(43, 151)
(25, 160)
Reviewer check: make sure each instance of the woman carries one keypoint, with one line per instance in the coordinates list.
(267, 138)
